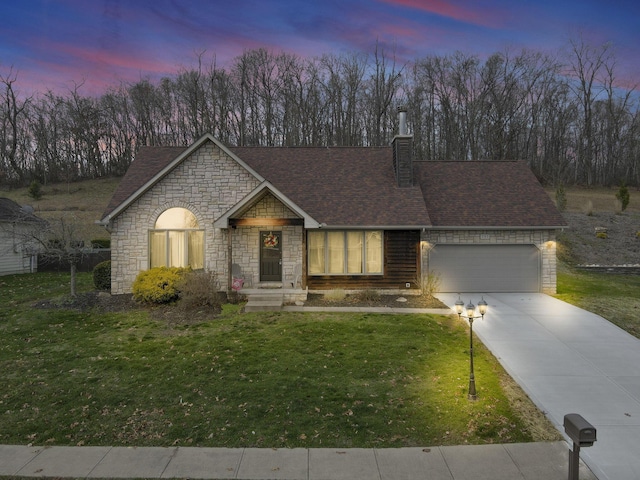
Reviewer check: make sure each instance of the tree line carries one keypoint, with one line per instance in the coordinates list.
(566, 117)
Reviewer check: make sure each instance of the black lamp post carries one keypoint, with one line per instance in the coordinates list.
(471, 316)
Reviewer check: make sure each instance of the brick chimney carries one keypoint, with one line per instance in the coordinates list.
(403, 151)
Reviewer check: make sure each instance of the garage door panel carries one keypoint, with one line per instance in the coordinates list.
(486, 268)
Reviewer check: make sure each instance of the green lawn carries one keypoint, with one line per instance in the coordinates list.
(615, 297)
(244, 380)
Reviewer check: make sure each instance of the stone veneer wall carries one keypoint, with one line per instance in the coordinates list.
(246, 246)
(544, 240)
(207, 183)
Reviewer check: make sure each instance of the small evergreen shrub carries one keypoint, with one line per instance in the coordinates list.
(35, 190)
(101, 243)
(623, 196)
(102, 275)
(158, 285)
(602, 235)
(199, 289)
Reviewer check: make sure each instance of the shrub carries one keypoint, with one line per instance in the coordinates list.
(335, 295)
(601, 235)
(158, 285)
(623, 196)
(199, 289)
(100, 243)
(35, 190)
(429, 283)
(617, 206)
(102, 275)
(368, 295)
(588, 209)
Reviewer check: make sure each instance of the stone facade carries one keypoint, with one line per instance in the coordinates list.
(544, 240)
(208, 183)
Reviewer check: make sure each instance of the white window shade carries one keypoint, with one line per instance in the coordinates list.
(340, 252)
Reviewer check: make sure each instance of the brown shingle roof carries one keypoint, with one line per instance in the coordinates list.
(340, 186)
(485, 194)
(355, 186)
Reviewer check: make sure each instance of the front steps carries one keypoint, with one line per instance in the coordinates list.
(264, 300)
(270, 297)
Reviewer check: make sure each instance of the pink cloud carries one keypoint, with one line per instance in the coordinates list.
(483, 16)
(100, 59)
(92, 67)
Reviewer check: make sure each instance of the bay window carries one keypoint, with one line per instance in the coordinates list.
(348, 252)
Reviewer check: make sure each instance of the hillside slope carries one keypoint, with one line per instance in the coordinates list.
(81, 203)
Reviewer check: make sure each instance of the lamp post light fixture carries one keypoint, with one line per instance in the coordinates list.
(470, 315)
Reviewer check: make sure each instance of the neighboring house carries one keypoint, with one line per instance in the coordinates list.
(333, 217)
(17, 228)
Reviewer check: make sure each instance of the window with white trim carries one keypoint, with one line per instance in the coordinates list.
(345, 252)
(176, 240)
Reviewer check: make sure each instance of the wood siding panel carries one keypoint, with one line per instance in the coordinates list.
(401, 265)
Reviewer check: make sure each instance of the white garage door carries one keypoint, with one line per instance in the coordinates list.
(486, 268)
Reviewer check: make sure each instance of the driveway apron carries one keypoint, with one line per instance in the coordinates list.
(569, 360)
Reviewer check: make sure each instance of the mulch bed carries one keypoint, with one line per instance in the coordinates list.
(175, 314)
(395, 301)
(105, 302)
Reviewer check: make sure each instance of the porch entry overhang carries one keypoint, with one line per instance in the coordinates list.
(232, 217)
(269, 268)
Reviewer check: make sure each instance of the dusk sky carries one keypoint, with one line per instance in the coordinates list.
(55, 44)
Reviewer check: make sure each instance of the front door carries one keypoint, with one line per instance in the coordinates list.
(270, 256)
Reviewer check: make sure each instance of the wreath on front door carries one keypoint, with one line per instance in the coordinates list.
(270, 240)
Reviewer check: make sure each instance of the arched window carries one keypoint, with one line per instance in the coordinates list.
(176, 240)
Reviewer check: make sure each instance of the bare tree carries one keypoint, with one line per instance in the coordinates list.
(619, 128)
(342, 86)
(119, 138)
(382, 88)
(587, 66)
(13, 136)
(573, 126)
(57, 242)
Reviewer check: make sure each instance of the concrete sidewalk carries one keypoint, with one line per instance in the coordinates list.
(523, 461)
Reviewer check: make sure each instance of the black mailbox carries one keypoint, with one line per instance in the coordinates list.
(579, 430)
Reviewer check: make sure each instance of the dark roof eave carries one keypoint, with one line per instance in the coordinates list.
(372, 227)
(497, 227)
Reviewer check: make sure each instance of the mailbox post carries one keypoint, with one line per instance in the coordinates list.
(583, 434)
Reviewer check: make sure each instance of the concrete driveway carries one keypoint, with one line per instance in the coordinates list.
(569, 360)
